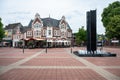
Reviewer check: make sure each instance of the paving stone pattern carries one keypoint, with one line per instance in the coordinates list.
(57, 64)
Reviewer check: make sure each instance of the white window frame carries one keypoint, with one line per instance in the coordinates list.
(49, 32)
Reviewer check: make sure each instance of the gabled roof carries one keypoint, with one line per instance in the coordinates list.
(24, 29)
(12, 26)
(30, 24)
(68, 26)
(49, 22)
(37, 20)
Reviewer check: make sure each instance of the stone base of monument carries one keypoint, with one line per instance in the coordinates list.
(98, 53)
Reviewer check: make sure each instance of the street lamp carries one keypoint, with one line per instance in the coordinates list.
(46, 44)
(23, 46)
(46, 40)
(71, 44)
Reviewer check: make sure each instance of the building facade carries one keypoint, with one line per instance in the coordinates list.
(56, 33)
(10, 30)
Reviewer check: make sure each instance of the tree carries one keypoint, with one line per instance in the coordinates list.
(111, 20)
(81, 36)
(1, 30)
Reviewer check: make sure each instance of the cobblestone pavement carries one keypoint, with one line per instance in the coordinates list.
(57, 64)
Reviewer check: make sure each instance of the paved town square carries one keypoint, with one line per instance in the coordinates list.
(57, 64)
(59, 40)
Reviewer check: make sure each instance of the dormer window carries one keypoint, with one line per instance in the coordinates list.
(62, 26)
(36, 25)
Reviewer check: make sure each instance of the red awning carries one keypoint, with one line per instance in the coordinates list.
(39, 39)
(31, 39)
(25, 39)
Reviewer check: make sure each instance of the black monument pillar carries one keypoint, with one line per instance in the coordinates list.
(91, 31)
(92, 40)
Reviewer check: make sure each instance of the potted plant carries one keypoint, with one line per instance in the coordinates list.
(30, 45)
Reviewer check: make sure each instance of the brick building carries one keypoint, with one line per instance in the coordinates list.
(40, 30)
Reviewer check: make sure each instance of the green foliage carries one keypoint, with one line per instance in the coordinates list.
(81, 36)
(30, 43)
(100, 37)
(111, 20)
(113, 28)
(1, 30)
(20, 43)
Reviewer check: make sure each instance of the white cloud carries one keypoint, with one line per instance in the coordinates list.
(74, 10)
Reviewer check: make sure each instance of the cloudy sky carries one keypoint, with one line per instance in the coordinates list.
(12, 11)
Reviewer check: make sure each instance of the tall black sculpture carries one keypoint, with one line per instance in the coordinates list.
(91, 31)
(92, 40)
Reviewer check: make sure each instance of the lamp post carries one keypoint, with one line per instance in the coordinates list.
(23, 46)
(23, 49)
(46, 40)
(71, 44)
(46, 44)
(102, 42)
